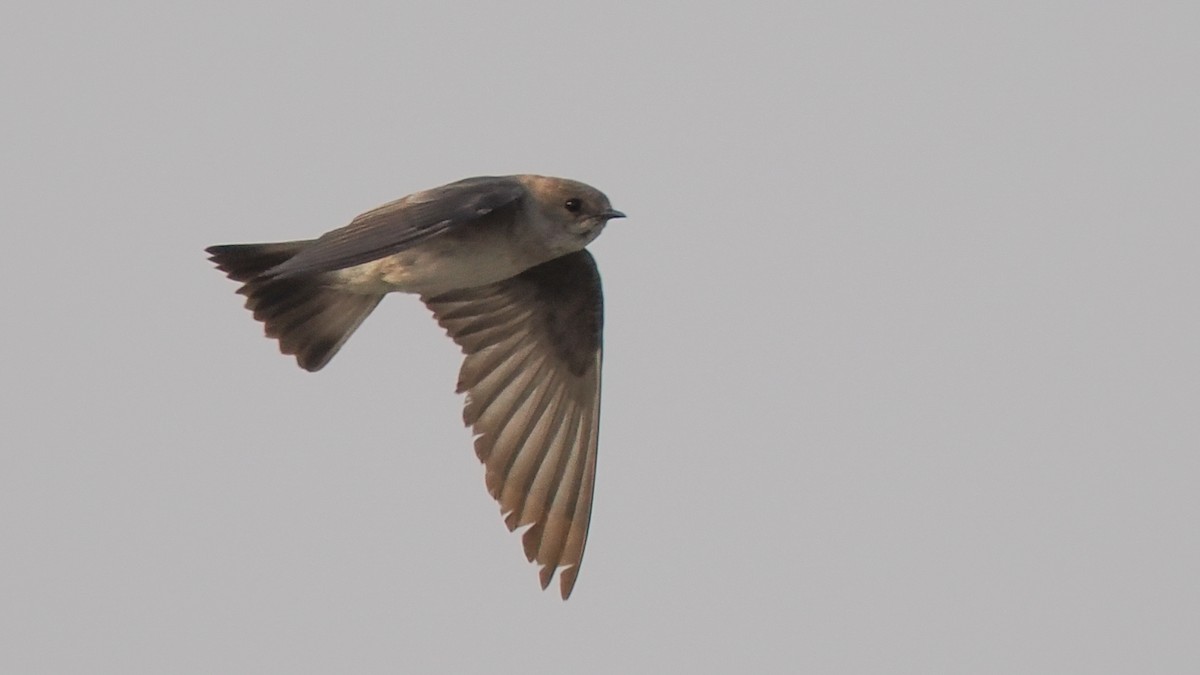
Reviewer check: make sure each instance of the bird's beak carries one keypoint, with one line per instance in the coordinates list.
(611, 213)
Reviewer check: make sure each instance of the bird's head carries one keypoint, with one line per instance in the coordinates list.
(576, 210)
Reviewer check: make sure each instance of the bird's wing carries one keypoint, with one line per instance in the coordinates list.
(408, 221)
(532, 378)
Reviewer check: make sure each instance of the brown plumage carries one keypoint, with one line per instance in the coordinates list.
(501, 263)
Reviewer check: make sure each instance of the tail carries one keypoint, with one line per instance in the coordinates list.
(310, 319)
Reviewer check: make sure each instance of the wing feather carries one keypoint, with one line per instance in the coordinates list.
(486, 201)
(532, 378)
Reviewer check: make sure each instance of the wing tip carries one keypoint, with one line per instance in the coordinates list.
(566, 580)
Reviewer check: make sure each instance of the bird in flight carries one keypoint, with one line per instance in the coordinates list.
(501, 262)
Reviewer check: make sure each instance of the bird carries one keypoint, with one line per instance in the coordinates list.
(502, 264)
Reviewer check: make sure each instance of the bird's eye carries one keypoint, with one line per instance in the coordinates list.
(573, 205)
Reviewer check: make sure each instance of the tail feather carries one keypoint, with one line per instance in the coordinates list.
(243, 262)
(310, 319)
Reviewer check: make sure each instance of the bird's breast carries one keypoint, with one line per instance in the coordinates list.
(438, 266)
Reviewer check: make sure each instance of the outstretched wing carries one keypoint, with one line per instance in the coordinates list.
(398, 225)
(532, 378)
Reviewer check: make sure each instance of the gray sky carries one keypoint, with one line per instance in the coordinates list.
(901, 369)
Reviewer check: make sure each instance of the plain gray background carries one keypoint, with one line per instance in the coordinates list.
(901, 366)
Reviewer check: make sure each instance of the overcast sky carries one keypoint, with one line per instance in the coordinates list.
(901, 355)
